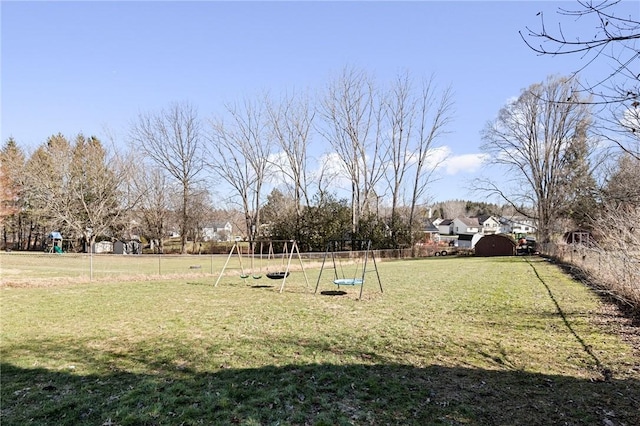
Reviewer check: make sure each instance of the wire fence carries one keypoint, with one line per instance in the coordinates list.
(20, 268)
(617, 272)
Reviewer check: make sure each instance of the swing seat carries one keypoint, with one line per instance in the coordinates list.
(243, 276)
(257, 277)
(277, 275)
(348, 281)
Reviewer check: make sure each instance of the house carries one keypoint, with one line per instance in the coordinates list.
(217, 231)
(445, 227)
(490, 225)
(436, 222)
(517, 225)
(466, 225)
(430, 231)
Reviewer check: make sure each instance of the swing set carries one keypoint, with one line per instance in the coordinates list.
(285, 256)
(334, 249)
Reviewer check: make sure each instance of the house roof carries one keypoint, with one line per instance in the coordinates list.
(483, 218)
(429, 227)
(469, 221)
(446, 222)
(216, 225)
(517, 219)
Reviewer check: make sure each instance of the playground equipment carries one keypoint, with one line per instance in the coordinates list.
(285, 256)
(357, 278)
(253, 255)
(53, 244)
(235, 248)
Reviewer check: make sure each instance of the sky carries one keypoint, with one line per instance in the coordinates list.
(92, 67)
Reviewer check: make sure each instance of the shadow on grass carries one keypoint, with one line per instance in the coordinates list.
(316, 394)
(333, 293)
(604, 371)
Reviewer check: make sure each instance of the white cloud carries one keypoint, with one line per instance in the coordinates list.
(277, 163)
(465, 163)
(437, 157)
(332, 169)
(443, 159)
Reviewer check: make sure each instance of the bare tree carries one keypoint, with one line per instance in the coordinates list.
(154, 207)
(617, 232)
(612, 39)
(416, 120)
(435, 113)
(533, 138)
(290, 121)
(352, 122)
(239, 154)
(399, 114)
(172, 140)
(615, 41)
(200, 207)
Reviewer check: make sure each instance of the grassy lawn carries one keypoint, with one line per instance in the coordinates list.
(44, 269)
(452, 341)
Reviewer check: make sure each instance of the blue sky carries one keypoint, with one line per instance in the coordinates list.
(92, 67)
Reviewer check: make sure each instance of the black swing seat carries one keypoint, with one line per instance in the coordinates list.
(348, 281)
(277, 275)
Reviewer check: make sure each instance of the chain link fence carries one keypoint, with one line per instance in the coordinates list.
(21, 267)
(617, 272)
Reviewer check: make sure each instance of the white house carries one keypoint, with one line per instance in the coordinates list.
(437, 221)
(466, 225)
(518, 225)
(445, 227)
(219, 231)
(490, 225)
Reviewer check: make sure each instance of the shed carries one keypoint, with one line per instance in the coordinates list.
(119, 247)
(103, 247)
(580, 237)
(496, 245)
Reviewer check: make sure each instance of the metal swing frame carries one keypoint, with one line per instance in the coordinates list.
(356, 280)
(290, 247)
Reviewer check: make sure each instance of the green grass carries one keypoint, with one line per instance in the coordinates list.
(450, 341)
